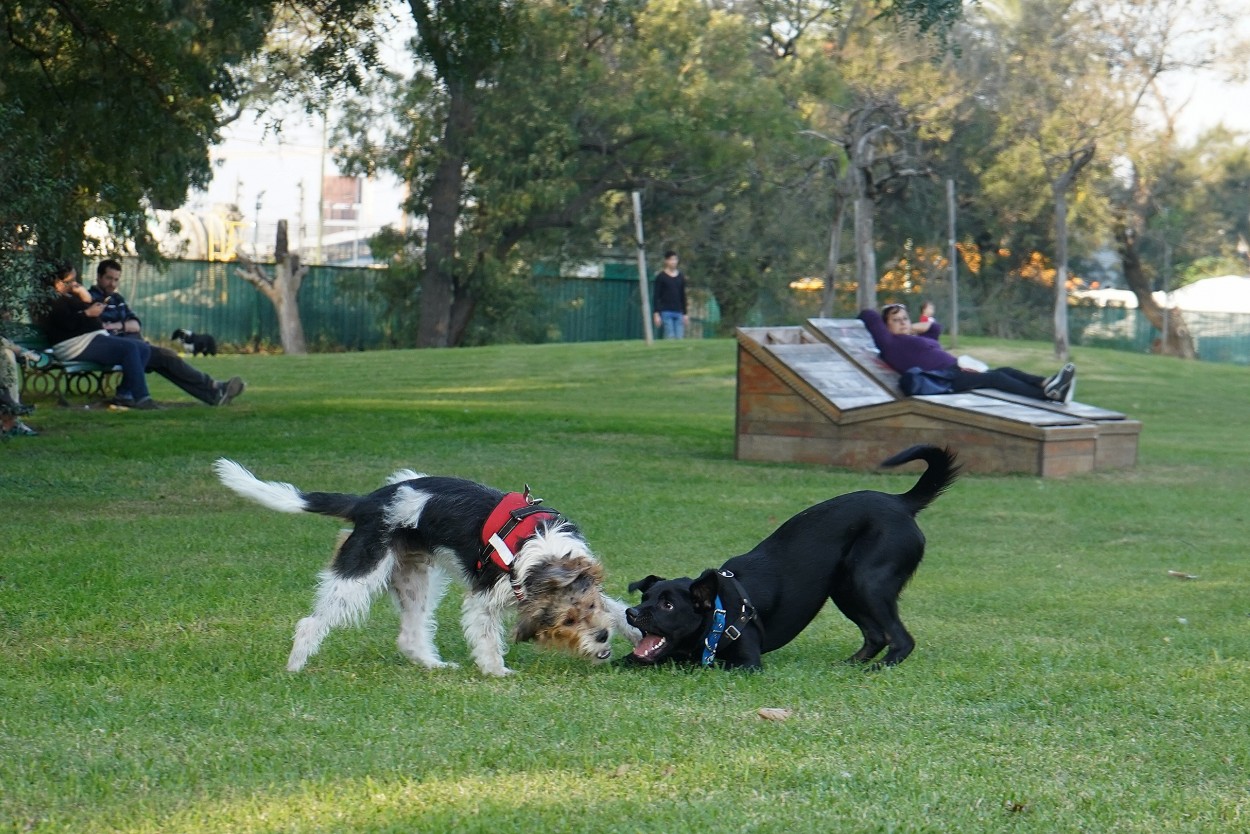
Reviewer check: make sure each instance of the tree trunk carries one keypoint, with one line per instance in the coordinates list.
(461, 314)
(290, 275)
(1077, 160)
(1176, 339)
(438, 286)
(282, 290)
(1061, 274)
(835, 254)
(865, 250)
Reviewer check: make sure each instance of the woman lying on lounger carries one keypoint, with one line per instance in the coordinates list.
(903, 351)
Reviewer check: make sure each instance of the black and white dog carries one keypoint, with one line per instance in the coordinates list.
(408, 536)
(858, 549)
(197, 343)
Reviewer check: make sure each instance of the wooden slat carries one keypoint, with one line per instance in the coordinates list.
(1017, 412)
(1074, 409)
(852, 338)
(831, 374)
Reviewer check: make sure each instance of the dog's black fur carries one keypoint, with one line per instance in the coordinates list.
(858, 549)
(197, 343)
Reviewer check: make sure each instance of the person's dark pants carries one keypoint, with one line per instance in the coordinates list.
(195, 382)
(131, 354)
(1003, 379)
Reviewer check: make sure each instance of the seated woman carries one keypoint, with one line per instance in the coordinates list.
(71, 322)
(11, 407)
(902, 350)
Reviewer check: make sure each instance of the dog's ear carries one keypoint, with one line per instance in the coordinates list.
(703, 590)
(577, 572)
(526, 629)
(644, 585)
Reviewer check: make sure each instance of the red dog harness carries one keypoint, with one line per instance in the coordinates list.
(513, 520)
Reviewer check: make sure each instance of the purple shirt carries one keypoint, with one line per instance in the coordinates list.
(905, 352)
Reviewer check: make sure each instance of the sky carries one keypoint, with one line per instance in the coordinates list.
(1209, 99)
(274, 178)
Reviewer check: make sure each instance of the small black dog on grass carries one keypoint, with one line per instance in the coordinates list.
(197, 343)
(858, 550)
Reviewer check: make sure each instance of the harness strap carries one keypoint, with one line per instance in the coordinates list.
(712, 640)
(515, 518)
(719, 616)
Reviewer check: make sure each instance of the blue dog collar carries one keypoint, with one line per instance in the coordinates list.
(719, 629)
(713, 637)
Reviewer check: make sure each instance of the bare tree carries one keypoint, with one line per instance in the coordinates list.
(1059, 188)
(898, 97)
(282, 289)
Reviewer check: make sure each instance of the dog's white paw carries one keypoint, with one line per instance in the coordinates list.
(498, 672)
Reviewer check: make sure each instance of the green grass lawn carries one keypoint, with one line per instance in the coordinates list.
(1062, 682)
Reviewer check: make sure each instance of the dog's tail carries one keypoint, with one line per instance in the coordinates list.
(284, 497)
(942, 472)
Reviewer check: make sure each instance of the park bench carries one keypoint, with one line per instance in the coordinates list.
(52, 378)
(820, 393)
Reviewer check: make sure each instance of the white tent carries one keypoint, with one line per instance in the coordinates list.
(1226, 294)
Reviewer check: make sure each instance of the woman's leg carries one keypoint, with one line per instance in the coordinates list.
(1023, 376)
(1002, 379)
(131, 354)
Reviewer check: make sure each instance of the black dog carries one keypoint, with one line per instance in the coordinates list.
(858, 550)
(197, 343)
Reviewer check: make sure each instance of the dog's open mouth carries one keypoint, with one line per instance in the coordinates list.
(650, 647)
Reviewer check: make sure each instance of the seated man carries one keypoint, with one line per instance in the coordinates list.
(120, 320)
(70, 320)
(902, 350)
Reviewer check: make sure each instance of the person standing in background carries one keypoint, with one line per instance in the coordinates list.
(668, 298)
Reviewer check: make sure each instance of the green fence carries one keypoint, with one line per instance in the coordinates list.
(340, 311)
(1218, 337)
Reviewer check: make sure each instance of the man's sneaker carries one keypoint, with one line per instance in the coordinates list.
(1056, 387)
(122, 402)
(231, 389)
(147, 404)
(20, 429)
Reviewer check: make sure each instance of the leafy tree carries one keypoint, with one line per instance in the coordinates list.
(1064, 82)
(1154, 201)
(525, 119)
(114, 107)
(898, 103)
(525, 123)
(1054, 106)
